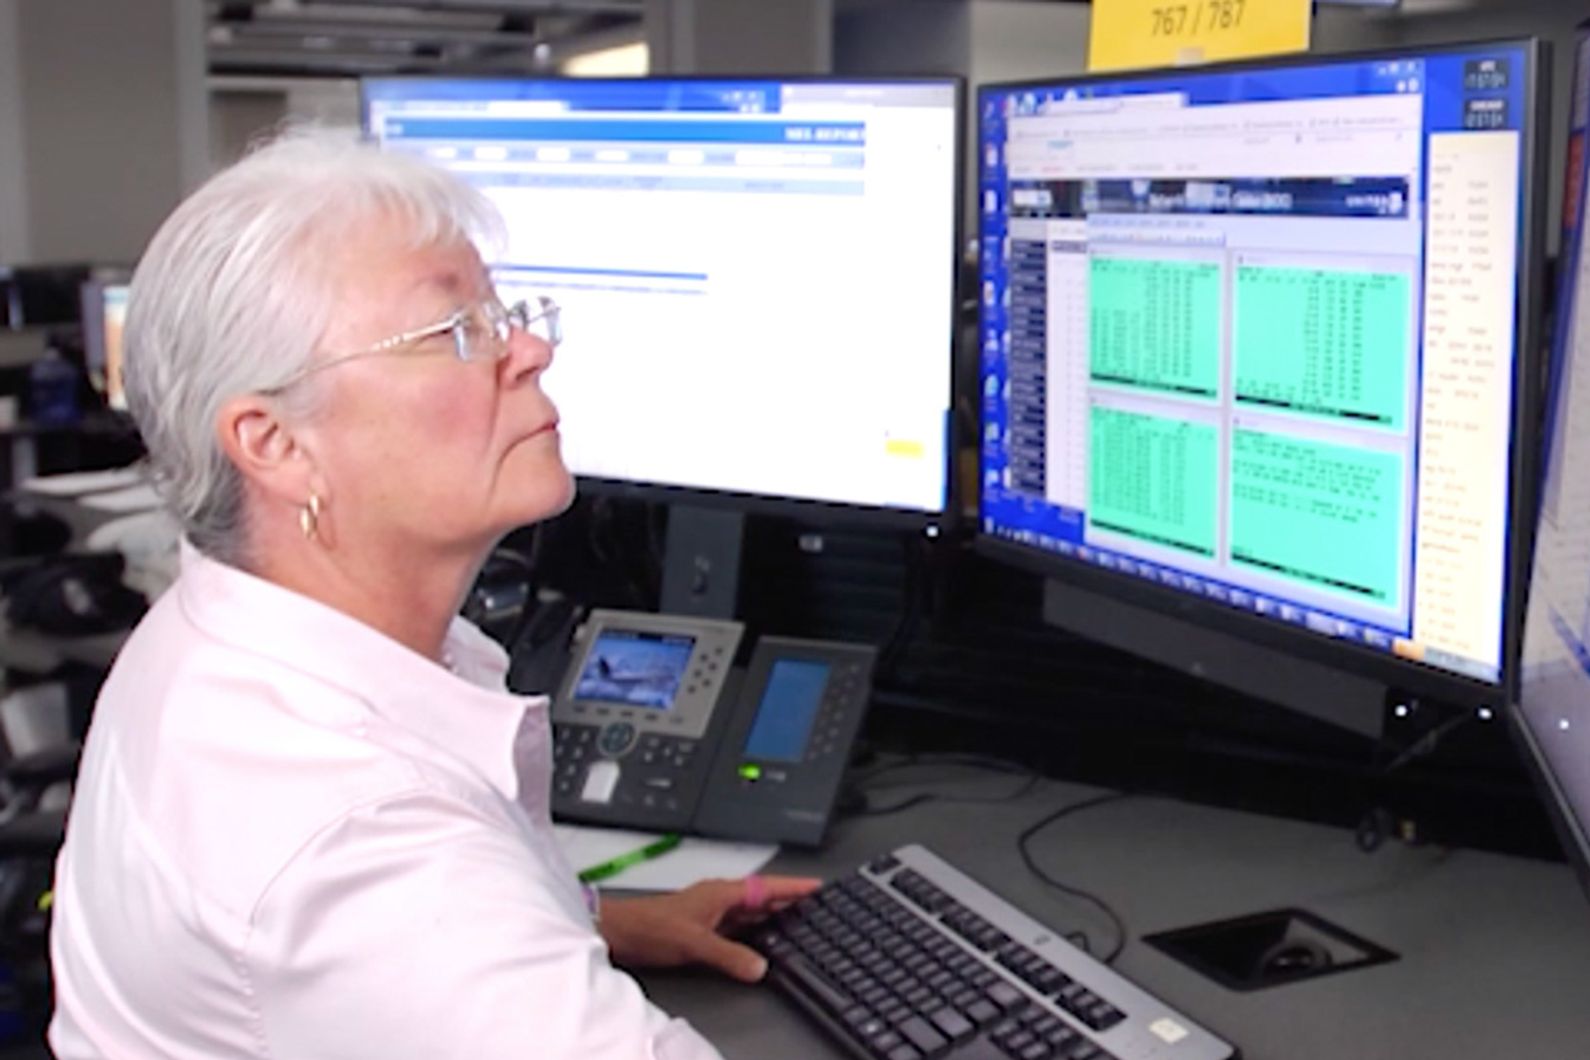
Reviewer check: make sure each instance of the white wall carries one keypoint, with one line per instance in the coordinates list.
(926, 37)
(739, 36)
(1337, 29)
(110, 142)
(15, 245)
(245, 109)
(1013, 40)
(238, 117)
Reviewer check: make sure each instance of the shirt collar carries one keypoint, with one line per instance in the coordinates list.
(464, 710)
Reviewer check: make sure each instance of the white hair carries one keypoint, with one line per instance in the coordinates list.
(231, 297)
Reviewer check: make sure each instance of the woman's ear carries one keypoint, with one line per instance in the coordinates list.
(268, 451)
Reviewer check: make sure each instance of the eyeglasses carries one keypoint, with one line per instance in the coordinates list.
(480, 333)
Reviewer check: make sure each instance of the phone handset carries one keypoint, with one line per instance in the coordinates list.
(655, 728)
(636, 717)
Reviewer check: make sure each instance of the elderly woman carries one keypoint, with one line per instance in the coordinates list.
(310, 821)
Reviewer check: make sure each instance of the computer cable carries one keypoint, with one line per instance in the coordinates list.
(1078, 937)
(1030, 780)
(1378, 823)
(911, 801)
(893, 650)
(1426, 744)
(910, 759)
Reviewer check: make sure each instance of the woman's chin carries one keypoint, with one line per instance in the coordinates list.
(548, 494)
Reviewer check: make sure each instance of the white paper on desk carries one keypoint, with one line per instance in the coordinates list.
(141, 497)
(77, 483)
(693, 860)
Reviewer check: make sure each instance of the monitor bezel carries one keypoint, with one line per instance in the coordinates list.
(1573, 831)
(1405, 676)
(815, 511)
(1571, 826)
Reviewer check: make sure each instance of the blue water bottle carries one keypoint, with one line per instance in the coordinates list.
(52, 388)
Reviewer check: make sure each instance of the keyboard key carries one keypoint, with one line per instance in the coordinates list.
(882, 1044)
(1061, 1036)
(1045, 1023)
(872, 1028)
(979, 1049)
(982, 1011)
(897, 1016)
(1073, 996)
(964, 998)
(1006, 996)
(953, 1024)
(810, 981)
(1004, 1029)
(1102, 1016)
(904, 1052)
(920, 1033)
(1015, 1043)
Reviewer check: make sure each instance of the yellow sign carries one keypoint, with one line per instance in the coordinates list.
(1131, 34)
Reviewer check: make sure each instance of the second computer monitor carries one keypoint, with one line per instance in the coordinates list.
(104, 315)
(757, 276)
(1256, 349)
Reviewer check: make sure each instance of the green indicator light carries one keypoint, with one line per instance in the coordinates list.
(749, 771)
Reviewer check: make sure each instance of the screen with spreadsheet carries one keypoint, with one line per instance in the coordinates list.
(757, 277)
(1251, 337)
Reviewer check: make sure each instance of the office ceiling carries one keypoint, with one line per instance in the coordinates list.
(348, 38)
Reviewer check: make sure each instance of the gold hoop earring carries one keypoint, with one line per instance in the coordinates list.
(309, 517)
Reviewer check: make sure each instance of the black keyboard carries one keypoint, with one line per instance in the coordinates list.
(910, 959)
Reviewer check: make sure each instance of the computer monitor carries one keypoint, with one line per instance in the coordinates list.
(43, 295)
(757, 276)
(104, 313)
(757, 280)
(1552, 714)
(1257, 364)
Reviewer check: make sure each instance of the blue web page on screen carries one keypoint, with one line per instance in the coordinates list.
(1250, 335)
(756, 277)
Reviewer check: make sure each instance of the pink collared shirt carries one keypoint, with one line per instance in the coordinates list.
(293, 837)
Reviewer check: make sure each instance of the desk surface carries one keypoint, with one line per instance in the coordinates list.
(1494, 950)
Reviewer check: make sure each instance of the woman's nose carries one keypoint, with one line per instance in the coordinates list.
(527, 355)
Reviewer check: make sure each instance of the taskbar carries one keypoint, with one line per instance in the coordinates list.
(1324, 623)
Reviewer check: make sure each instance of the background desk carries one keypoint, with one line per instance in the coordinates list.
(1494, 950)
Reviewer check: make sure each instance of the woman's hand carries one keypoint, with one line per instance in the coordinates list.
(685, 927)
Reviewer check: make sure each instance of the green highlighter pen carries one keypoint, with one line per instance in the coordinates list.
(614, 866)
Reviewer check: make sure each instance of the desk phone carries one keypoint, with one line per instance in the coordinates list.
(655, 728)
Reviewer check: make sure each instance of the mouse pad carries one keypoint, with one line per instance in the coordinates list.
(1269, 949)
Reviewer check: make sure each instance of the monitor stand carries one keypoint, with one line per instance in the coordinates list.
(701, 561)
(1332, 695)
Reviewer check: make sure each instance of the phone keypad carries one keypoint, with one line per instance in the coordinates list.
(656, 767)
(846, 689)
